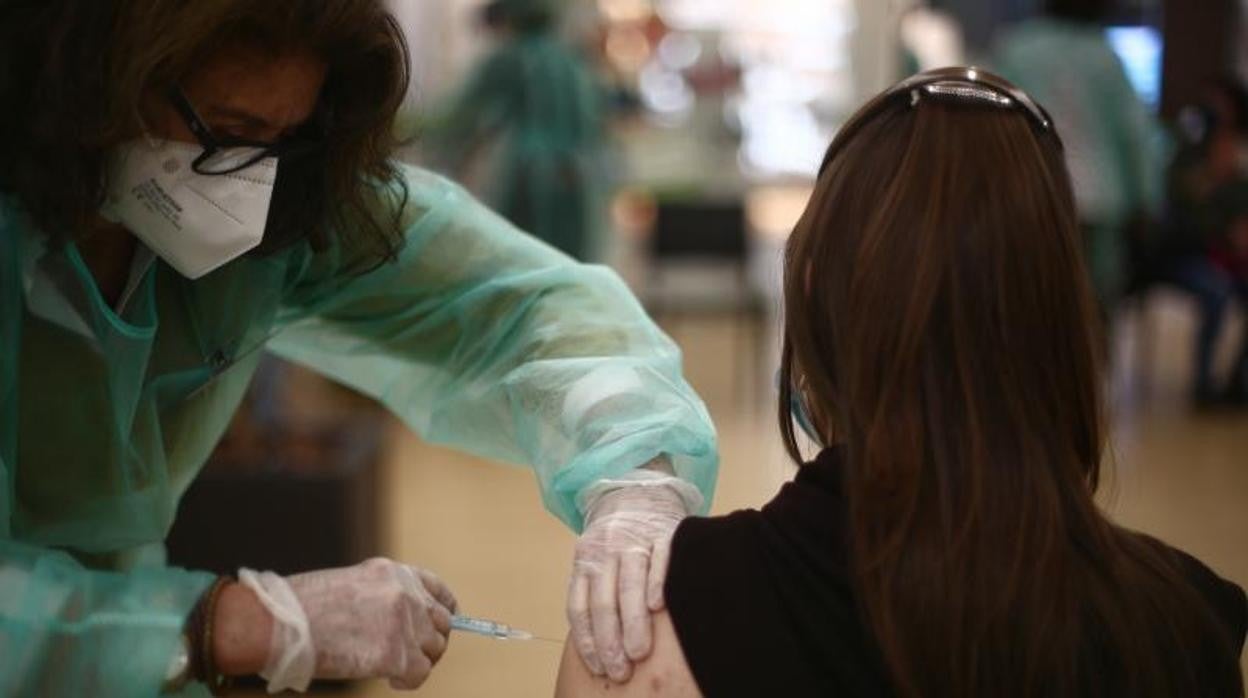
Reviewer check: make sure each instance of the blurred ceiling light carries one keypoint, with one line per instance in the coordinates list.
(697, 14)
(664, 91)
(626, 11)
(780, 140)
(628, 49)
(773, 84)
(680, 50)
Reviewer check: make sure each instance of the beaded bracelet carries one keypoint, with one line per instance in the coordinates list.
(199, 630)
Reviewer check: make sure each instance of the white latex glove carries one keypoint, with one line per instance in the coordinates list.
(620, 566)
(378, 619)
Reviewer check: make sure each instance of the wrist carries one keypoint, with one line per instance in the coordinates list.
(242, 632)
(640, 489)
(661, 465)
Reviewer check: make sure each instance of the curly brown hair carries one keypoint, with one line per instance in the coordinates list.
(73, 76)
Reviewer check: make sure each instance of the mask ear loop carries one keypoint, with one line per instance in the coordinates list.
(799, 407)
(145, 132)
(152, 140)
(156, 143)
(148, 137)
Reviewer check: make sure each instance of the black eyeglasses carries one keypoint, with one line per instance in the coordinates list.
(225, 154)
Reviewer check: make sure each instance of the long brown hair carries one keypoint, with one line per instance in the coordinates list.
(940, 326)
(73, 76)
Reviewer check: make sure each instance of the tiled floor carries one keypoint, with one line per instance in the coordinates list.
(1177, 475)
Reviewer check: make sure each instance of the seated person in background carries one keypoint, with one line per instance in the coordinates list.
(1206, 249)
(941, 340)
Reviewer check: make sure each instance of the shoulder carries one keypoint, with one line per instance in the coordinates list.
(1226, 598)
(705, 553)
(427, 204)
(664, 674)
(419, 202)
(425, 187)
(430, 197)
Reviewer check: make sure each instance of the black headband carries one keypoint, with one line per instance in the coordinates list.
(970, 86)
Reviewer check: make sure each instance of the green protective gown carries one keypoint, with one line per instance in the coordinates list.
(537, 96)
(1113, 144)
(479, 337)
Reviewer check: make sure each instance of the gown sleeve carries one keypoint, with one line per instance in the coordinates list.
(66, 630)
(482, 338)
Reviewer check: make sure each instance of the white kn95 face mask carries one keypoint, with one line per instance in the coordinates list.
(195, 222)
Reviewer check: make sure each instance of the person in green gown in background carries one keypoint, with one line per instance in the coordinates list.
(1112, 140)
(537, 95)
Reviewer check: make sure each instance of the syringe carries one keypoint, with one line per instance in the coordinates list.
(489, 628)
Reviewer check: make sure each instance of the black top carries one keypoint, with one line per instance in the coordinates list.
(762, 602)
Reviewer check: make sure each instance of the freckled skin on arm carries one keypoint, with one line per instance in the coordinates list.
(664, 674)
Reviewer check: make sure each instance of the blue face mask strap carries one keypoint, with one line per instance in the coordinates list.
(797, 409)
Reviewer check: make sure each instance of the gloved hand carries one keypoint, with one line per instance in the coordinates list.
(620, 566)
(378, 619)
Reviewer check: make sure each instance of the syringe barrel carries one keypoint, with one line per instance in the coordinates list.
(480, 626)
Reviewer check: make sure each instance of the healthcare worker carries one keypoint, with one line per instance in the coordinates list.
(186, 184)
(537, 96)
(1065, 61)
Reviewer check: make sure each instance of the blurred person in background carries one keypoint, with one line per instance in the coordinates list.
(1205, 250)
(1065, 61)
(537, 95)
(186, 184)
(941, 346)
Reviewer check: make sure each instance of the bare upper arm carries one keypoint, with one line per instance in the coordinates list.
(664, 674)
